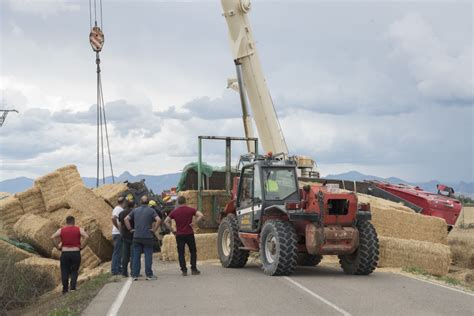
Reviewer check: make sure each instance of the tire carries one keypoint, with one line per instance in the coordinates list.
(308, 260)
(364, 260)
(278, 248)
(229, 243)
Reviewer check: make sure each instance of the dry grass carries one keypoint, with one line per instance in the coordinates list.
(53, 191)
(206, 248)
(36, 231)
(461, 242)
(401, 253)
(41, 265)
(466, 218)
(111, 192)
(32, 201)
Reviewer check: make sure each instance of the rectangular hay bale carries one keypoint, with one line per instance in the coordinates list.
(70, 176)
(32, 201)
(85, 201)
(36, 231)
(433, 258)
(111, 192)
(53, 191)
(14, 252)
(206, 245)
(10, 211)
(461, 242)
(42, 265)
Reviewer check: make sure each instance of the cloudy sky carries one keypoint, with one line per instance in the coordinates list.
(382, 87)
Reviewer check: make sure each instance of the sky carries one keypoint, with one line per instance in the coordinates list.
(381, 87)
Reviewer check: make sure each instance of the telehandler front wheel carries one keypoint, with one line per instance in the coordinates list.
(229, 243)
(364, 260)
(278, 248)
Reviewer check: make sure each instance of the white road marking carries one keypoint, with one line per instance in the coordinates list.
(115, 307)
(440, 285)
(322, 299)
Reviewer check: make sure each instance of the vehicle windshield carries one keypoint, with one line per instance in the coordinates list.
(279, 183)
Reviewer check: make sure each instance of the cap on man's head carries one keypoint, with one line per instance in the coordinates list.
(152, 203)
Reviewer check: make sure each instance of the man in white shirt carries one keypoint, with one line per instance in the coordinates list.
(117, 238)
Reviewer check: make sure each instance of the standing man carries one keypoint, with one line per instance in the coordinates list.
(127, 237)
(146, 222)
(117, 238)
(183, 216)
(68, 241)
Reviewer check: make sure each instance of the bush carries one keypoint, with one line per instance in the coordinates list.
(19, 289)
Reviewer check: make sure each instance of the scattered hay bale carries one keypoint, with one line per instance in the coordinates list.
(400, 253)
(4, 195)
(211, 199)
(10, 212)
(461, 242)
(70, 176)
(89, 260)
(14, 252)
(111, 192)
(405, 225)
(206, 248)
(382, 204)
(85, 201)
(97, 242)
(90, 273)
(42, 265)
(53, 191)
(32, 201)
(36, 231)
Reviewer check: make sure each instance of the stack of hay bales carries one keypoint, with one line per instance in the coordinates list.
(53, 191)
(111, 192)
(36, 231)
(41, 265)
(209, 197)
(408, 239)
(206, 247)
(10, 211)
(14, 252)
(70, 176)
(32, 201)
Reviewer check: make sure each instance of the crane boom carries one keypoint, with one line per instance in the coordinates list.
(245, 54)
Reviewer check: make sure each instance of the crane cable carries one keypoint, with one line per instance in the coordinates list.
(96, 38)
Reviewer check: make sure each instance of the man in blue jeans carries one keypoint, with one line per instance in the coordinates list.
(146, 222)
(117, 238)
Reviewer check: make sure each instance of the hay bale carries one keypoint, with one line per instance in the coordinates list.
(461, 243)
(14, 252)
(10, 212)
(101, 247)
(379, 203)
(85, 201)
(111, 192)
(4, 195)
(89, 260)
(400, 253)
(70, 176)
(53, 191)
(206, 248)
(36, 231)
(404, 225)
(211, 199)
(32, 201)
(44, 265)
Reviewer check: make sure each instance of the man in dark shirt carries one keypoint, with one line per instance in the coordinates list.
(146, 222)
(183, 216)
(127, 237)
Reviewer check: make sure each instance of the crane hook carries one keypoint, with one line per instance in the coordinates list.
(96, 38)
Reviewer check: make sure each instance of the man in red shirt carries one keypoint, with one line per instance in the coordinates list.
(183, 216)
(70, 245)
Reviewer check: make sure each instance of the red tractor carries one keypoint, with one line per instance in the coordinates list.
(291, 226)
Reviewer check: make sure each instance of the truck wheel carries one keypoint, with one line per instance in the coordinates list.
(364, 260)
(278, 248)
(229, 243)
(308, 260)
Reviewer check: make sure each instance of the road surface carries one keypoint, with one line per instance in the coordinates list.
(321, 290)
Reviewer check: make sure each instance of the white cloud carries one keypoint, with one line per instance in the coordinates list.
(440, 75)
(44, 7)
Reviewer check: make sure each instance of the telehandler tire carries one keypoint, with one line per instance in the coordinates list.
(278, 248)
(308, 260)
(229, 243)
(364, 260)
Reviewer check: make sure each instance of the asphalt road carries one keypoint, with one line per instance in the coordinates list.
(310, 291)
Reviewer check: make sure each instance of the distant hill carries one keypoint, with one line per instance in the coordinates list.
(166, 181)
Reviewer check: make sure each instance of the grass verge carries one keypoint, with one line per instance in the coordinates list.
(447, 279)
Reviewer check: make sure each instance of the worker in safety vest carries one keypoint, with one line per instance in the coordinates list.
(271, 185)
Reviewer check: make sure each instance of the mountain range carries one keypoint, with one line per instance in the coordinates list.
(158, 183)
